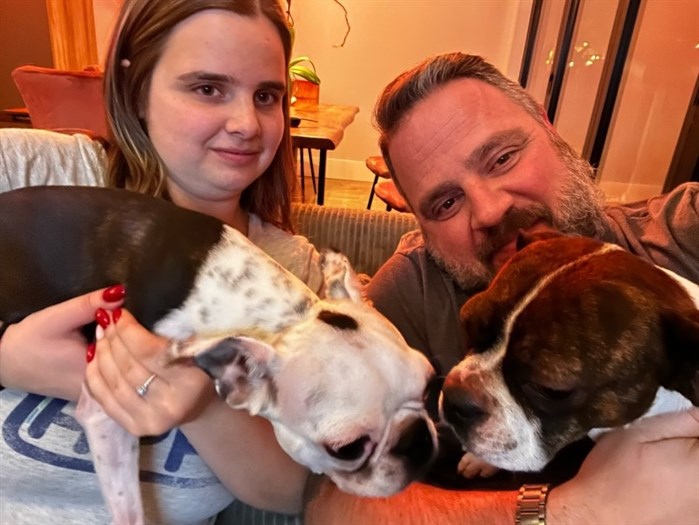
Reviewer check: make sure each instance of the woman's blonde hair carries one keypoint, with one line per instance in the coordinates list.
(139, 38)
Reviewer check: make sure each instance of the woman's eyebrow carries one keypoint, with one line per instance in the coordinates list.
(206, 76)
(218, 78)
(495, 142)
(273, 85)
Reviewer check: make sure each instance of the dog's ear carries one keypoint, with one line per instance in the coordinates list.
(240, 367)
(525, 238)
(339, 279)
(681, 334)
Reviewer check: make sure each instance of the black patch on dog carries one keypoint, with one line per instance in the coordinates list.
(341, 321)
(59, 242)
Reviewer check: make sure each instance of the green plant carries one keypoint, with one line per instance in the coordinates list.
(297, 70)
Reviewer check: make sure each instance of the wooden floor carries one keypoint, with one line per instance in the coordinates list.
(341, 194)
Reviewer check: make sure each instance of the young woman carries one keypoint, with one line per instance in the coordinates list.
(197, 104)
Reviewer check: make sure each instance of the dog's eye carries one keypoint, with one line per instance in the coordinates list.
(350, 451)
(549, 399)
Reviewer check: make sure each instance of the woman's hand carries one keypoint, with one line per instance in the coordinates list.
(125, 358)
(45, 352)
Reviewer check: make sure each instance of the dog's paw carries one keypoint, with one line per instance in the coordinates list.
(472, 466)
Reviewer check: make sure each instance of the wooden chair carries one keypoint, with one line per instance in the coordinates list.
(385, 190)
(304, 90)
(66, 101)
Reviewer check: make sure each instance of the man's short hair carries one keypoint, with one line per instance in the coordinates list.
(414, 85)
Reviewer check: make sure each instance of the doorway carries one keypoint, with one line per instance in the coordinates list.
(618, 79)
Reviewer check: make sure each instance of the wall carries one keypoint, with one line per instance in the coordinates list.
(25, 40)
(105, 13)
(389, 36)
(386, 37)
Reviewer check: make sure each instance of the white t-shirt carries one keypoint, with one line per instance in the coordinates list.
(46, 472)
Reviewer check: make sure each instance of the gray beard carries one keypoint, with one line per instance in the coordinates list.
(579, 212)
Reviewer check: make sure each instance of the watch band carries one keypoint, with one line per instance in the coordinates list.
(531, 505)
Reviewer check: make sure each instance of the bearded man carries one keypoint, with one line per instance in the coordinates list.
(476, 160)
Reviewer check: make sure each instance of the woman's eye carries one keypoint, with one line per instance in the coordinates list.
(267, 98)
(207, 90)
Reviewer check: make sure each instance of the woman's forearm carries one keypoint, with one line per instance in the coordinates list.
(30, 368)
(244, 454)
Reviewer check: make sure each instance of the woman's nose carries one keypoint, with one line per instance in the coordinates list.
(242, 118)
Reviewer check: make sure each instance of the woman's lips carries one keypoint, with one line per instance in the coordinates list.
(237, 157)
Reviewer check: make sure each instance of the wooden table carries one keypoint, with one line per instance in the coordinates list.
(322, 127)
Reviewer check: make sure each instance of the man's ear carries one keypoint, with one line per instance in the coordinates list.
(525, 238)
(339, 279)
(240, 367)
(681, 334)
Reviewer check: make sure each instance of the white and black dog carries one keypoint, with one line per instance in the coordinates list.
(338, 382)
(572, 335)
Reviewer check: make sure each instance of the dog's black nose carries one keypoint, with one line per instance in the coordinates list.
(416, 445)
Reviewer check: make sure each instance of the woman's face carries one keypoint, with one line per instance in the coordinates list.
(214, 109)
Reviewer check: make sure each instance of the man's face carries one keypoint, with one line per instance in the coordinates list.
(476, 168)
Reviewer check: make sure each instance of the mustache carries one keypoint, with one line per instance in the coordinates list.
(515, 219)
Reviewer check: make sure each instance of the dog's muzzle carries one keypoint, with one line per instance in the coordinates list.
(417, 441)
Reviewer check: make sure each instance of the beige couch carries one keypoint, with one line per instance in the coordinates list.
(34, 157)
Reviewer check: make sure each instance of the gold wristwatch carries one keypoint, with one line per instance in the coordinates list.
(531, 505)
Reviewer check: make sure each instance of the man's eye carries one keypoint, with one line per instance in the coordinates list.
(506, 160)
(446, 208)
(502, 159)
(448, 204)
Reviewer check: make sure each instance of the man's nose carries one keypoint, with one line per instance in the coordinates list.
(242, 118)
(488, 203)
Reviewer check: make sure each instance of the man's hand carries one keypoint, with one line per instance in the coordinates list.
(647, 473)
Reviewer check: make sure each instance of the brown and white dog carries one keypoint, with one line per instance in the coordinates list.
(571, 336)
(338, 382)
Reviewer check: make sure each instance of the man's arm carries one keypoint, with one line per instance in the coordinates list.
(647, 473)
(419, 504)
(663, 230)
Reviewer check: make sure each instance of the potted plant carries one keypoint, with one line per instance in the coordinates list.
(305, 83)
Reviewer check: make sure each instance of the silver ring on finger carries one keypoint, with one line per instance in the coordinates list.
(143, 389)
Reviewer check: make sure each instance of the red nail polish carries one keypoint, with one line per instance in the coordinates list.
(91, 351)
(114, 293)
(102, 317)
(116, 314)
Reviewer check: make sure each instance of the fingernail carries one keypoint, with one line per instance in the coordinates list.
(102, 317)
(91, 351)
(114, 293)
(116, 314)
